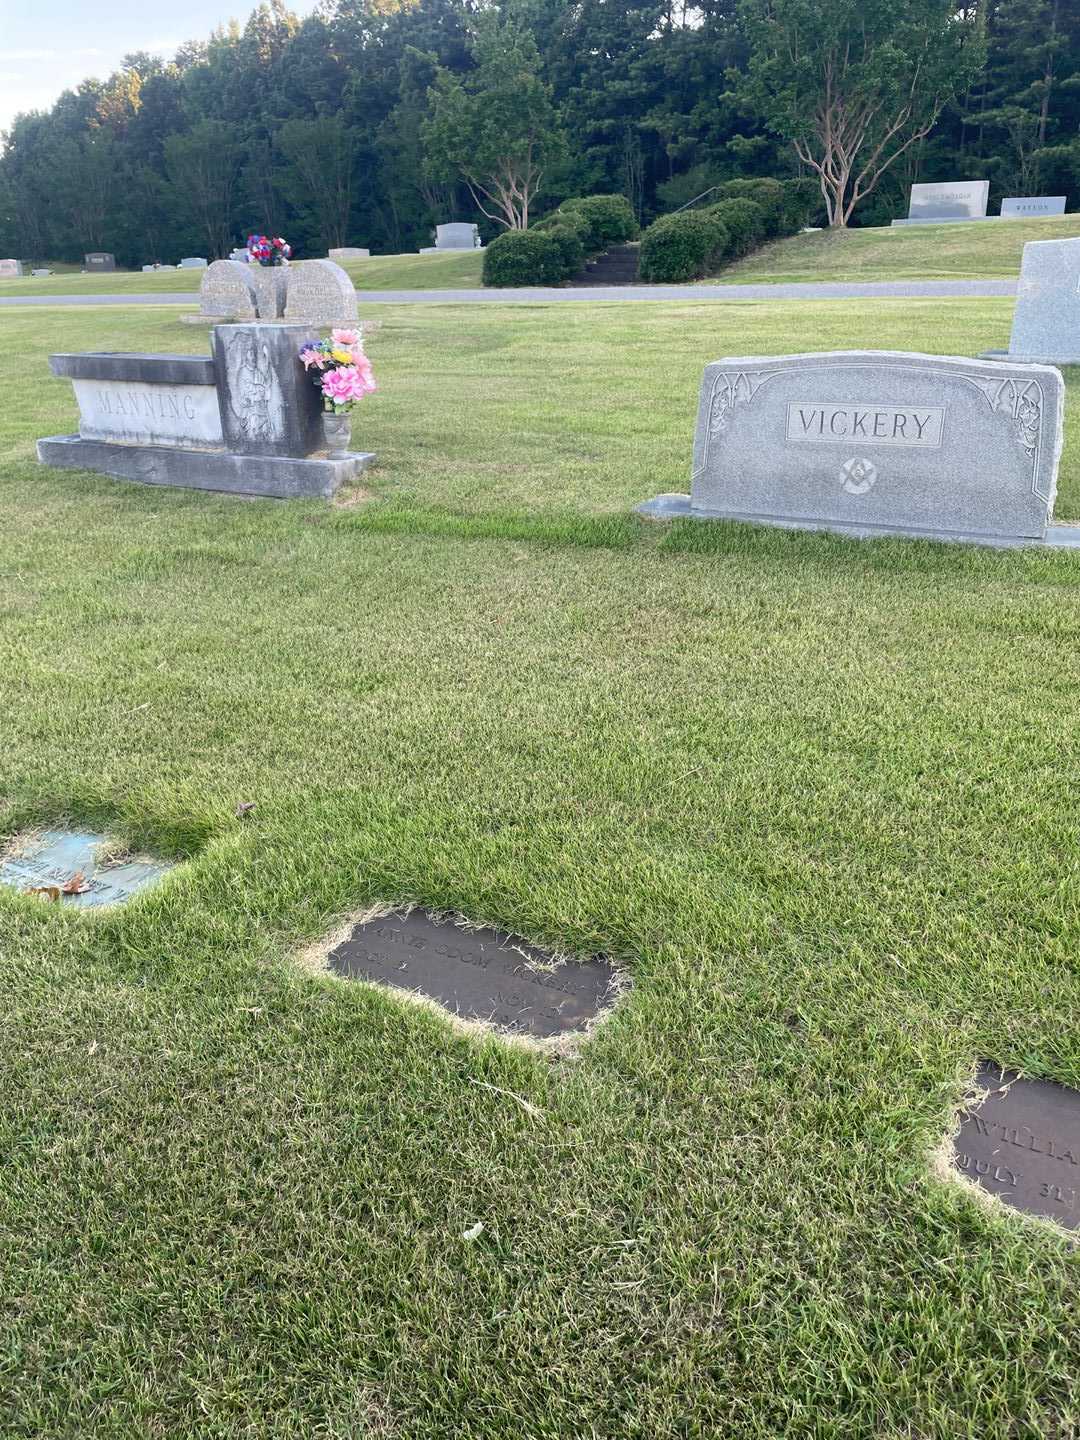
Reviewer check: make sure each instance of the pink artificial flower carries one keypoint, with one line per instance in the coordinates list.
(343, 385)
(311, 356)
(345, 339)
(365, 372)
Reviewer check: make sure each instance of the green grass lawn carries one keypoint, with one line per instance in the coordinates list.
(381, 272)
(817, 796)
(913, 252)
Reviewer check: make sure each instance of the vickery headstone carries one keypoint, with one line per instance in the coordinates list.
(1020, 207)
(1022, 1143)
(100, 260)
(63, 865)
(1046, 320)
(871, 442)
(933, 204)
(245, 420)
(476, 974)
(320, 293)
(11, 267)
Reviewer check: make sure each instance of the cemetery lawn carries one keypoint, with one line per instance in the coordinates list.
(381, 272)
(817, 796)
(977, 251)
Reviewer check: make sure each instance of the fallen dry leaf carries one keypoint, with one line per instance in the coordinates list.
(76, 885)
(244, 808)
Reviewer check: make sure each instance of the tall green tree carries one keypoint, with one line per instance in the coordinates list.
(854, 84)
(204, 167)
(497, 129)
(322, 159)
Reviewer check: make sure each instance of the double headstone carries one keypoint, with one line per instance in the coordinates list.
(877, 443)
(937, 204)
(246, 419)
(310, 292)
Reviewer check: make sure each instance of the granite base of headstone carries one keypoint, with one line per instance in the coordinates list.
(245, 419)
(99, 261)
(1021, 1142)
(477, 973)
(945, 202)
(879, 443)
(1046, 319)
(1028, 207)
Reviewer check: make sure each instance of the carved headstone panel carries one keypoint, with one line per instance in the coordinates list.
(227, 291)
(269, 405)
(320, 293)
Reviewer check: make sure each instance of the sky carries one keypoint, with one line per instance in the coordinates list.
(48, 46)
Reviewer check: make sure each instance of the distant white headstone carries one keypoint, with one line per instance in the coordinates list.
(454, 237)
(40, 272)
(349, 252)
(1019, 207)
(948, 200)
(11, 267)
(193, 262)
(240, 255)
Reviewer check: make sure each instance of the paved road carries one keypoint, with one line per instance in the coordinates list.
(826, 290)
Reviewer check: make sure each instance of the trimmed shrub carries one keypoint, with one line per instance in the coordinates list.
(683, 247)
(803, 203)
(569, 243)
(610, 219)
(744, 221)
(769, 194)
(523, 257)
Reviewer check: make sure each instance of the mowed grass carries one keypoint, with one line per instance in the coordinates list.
(380, 272)
(982, 250)
(816, 795)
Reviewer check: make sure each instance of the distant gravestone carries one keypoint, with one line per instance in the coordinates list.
(64, 866)
(100, 260)
(11, 267)
(934, 204)
(1023, 207)
(41, 272)
(454, 237)
(476, 973)
(1022, 1144)
(241, 256)
(349, 252)
(193, 262)
(1046, 320)
(319, 293)
(227, 291)
(877, 443)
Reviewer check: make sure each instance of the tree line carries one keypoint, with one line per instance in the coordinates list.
(372, 120)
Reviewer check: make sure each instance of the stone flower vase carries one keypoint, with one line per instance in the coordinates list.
(337, 432)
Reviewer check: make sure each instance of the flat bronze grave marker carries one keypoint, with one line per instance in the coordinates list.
(53, 859)
(1022, 1143)
(476, 974)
